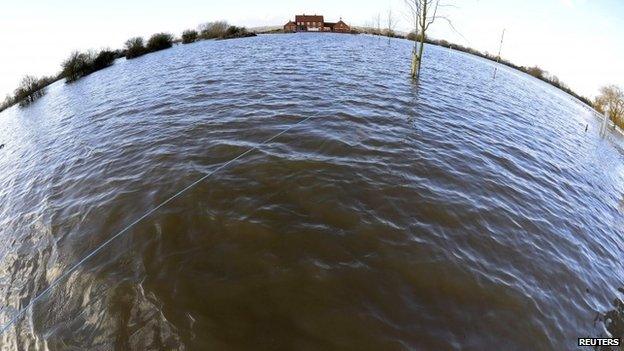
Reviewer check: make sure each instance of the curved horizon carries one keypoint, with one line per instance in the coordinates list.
(537, 33)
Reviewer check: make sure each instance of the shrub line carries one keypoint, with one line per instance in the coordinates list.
(81, 64)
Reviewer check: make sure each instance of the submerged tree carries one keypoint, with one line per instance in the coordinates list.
(135, 48)
(80, 64)
(159, 41)
(30, 89)
(611, 101)
(77, 65)
(189, 36)
(423, 13)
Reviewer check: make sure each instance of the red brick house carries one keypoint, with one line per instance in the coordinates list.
(339, 27)
(290, 27)
(314, 23)
(308, 23)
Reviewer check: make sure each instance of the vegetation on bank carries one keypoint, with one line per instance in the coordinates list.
(189, 36)
(80, 64)
(215, 30)
(212, 30)
(159, 41)
(220, 30)
(237, 32)
(135, 46)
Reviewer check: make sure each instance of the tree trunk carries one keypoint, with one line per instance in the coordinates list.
(415, 60)
(420, 53)
(417, 57)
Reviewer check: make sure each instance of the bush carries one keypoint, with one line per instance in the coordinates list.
(81, 64)
(30, 89)
(135, 48)
(104, 58)
(77, 65)
(234, 31)
(237, 32)
(159, 41)
(413, 36)
(213, 30)
(536, 72)
(189, 36)
(444, 43)
(222, 30)
(8, 102)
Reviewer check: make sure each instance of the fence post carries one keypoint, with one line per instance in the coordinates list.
(603, 129)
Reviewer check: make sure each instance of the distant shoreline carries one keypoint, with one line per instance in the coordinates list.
(81, 64)
(221, 30)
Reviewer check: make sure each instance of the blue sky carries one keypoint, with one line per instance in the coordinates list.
(580, 41)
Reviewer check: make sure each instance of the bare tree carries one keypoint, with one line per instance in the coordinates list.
(423, 13)
(391, 25)
(611, 100)
(212, 30)
(378, 23)
(500, 48)
(30, 89)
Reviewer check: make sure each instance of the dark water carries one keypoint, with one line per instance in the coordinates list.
(460, 213)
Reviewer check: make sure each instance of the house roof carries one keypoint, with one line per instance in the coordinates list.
(333, 24)
(308, 18)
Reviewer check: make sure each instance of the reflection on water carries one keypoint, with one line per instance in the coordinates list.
(462, 213)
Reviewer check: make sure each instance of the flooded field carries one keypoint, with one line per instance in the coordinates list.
(458, 213)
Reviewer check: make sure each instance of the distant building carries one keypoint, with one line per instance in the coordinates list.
(339, 27)
(290, 27)
(314, 23)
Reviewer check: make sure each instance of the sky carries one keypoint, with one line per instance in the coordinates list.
(580, 41)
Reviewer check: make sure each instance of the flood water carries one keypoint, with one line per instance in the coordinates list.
(458, 213)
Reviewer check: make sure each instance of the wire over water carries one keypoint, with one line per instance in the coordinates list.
(135, 222)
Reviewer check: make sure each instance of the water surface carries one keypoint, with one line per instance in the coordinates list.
(458, 213)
